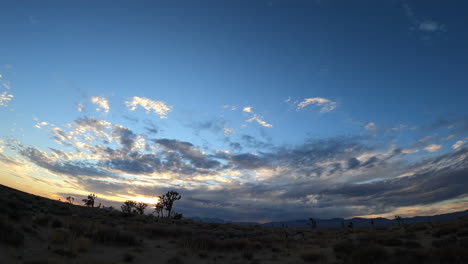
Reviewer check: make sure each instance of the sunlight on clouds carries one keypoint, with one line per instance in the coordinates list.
(433, 147)
(101, 102)
(325, 104)
(247, 109)
(458, 144)
(5, 97)
(158, 107)
(259, 120)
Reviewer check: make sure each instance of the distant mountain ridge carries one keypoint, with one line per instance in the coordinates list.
(337, 222)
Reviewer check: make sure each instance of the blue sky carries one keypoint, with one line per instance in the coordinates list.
(286, 102)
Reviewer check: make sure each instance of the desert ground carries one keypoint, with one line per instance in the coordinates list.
(37, 230)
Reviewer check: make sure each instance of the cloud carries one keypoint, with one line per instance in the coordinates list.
(325, 104)
(5, 97)
(433, 147)
(458, 144)
(259, 120)
(101, 102)
(247, 109)
(158, 107)
(79, 107)
(426, 26)
(371, 127)
(431, 26)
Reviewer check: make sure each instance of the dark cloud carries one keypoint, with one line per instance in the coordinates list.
(188, 151)
(77, 168)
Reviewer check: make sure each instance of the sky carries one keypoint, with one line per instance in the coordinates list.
(252, 110)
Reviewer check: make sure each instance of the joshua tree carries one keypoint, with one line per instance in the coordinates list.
(168, 201)
(398, 219)
(159, 209)
(312, 223)
(70, 199)
(140, 207)
(372, 222)
(128, 207)
(89, 202)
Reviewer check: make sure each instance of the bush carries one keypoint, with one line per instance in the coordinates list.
(175, 260)
(369, 254)
(59, 236)
(114, 236)
(344, 248)
(10, 235)
(83, 244)
(314, 257)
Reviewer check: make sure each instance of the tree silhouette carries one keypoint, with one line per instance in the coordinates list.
(140, 207)
(70, 199)
(128, 207)
(398, 219)
(312, 223)
(89, 202)
(168, 201)
(159, 208)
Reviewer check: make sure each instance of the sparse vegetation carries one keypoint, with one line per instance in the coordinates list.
(87, 231)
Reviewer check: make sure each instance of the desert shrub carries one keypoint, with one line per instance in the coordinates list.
(114, 236)
(56, 223)
(59, 236)
(65, 253)
(408, 256)
(314, 257)
(203, 242)
(127, 257)
(10, 235)
(344, 248)
(369, 254)
(175, 260)
(450, 255)
(42, 220)
(416, 227)
(444, 231)
(412, 244)
(248, 255)
(462, 233)
(236, 244)
(83, 244)
(391, 242)
(447, 242)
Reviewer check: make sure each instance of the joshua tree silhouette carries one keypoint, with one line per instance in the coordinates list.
(70, 199)
(89, 202)
(169, 198)
(398, 219)
(128, 207)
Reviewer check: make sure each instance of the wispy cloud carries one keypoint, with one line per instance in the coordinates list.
(433, 147)
(458, 144)
(371, 127)
(5, 97)
(247, 109)
(325, 105)
(423, 25)
(259, 120)
(158, 107)
(101, 102)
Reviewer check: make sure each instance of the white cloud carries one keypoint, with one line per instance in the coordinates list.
(79, 107)
(428, 26)
(325, 104)
(259, 119)
(431, 26)
(158, 107)
(247, 109)
(228, 131)
(371, 127)
(433, 148)
(101, 102)
(41, 124)
(458, 144)
(5, 97)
